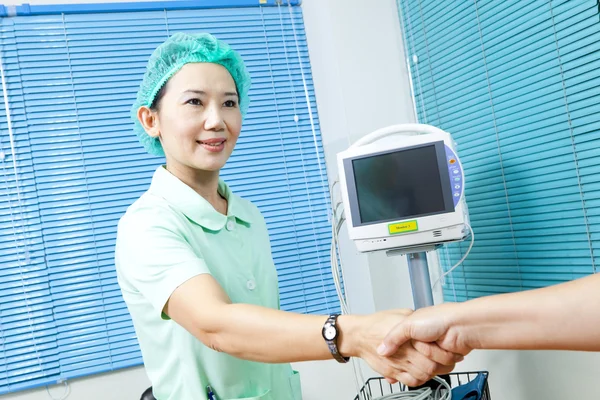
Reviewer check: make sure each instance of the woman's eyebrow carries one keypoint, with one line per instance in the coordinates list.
(195, 91)
(202, 92)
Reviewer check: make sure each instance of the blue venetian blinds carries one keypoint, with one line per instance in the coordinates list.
(516, 83)
(71, 165)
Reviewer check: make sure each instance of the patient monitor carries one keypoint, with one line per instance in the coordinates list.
(403, 189)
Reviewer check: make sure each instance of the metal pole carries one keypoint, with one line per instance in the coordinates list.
(419, 280)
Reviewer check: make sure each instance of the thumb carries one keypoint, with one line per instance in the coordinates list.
(399, 335)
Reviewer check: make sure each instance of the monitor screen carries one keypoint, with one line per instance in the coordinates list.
(401, 184)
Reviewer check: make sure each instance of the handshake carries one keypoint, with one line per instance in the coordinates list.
(405, 346)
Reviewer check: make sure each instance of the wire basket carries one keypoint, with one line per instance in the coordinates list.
(377, 387)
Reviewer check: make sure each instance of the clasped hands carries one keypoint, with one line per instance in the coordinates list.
(410, 347)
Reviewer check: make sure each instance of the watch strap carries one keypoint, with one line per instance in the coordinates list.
(332, 343)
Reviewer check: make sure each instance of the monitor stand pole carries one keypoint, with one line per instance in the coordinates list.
(419, 280)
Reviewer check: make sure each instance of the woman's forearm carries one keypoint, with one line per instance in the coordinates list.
(262, 334)
(266, 335)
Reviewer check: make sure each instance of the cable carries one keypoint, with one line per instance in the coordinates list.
(337, 279)
(423, 394)
(337, 271)
(461, 260)
(337, 206)
(337, 263)
(66, 393)
(336, 225)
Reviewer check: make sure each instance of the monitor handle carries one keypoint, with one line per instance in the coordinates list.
(402, 129)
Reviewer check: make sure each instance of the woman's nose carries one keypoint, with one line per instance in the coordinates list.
(214, 119)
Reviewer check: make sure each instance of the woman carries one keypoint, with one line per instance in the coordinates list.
(194, 261)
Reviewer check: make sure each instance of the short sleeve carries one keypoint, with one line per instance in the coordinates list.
(153, 256)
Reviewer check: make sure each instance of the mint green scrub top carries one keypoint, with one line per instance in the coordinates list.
(170, 235)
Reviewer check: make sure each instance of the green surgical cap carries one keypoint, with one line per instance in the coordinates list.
(169, 58)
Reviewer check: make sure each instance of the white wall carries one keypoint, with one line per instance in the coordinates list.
(362, 84)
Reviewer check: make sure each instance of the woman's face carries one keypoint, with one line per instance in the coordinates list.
(198, 119)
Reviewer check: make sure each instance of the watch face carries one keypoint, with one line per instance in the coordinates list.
(329, 332)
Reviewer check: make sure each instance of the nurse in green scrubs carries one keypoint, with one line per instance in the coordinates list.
(194, 261)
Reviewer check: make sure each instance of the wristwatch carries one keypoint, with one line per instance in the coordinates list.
(330, 334)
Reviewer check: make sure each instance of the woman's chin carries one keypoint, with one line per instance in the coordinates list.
(214, 166)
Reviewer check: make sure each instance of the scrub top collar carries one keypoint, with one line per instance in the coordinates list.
(194, 206)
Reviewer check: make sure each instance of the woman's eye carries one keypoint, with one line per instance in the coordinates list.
(230, 103)
(195, 102)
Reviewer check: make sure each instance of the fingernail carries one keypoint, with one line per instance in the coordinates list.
(382, 349)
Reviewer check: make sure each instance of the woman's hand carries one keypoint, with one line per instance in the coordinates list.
(411, 363)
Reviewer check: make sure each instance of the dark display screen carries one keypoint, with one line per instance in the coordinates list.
(402, 184)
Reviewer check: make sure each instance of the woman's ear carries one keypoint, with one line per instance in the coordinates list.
(149, 120)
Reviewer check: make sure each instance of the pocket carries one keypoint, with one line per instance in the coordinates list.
(265, 396)
(295, 385)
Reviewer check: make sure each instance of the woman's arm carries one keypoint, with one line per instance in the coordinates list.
(262, 334)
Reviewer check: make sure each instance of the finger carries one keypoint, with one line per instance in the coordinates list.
(436, 353)
(409, 380)
(420, 366)
(391, 381)
(444, 369)
(394, 339)
(425, 369)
